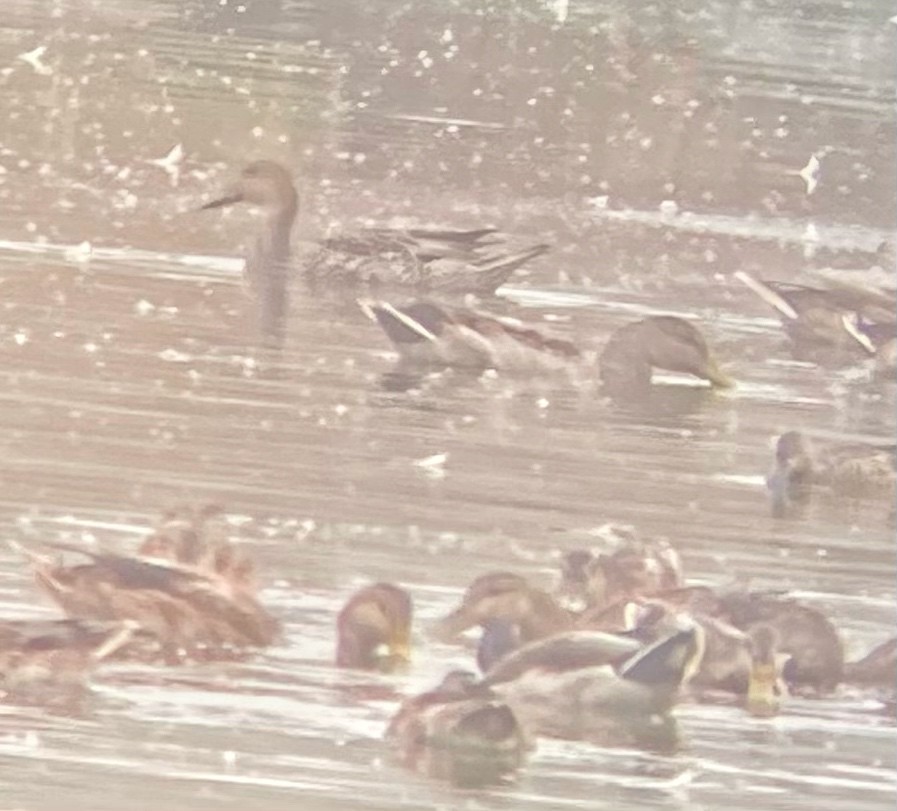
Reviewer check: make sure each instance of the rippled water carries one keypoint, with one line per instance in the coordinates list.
(131, 379)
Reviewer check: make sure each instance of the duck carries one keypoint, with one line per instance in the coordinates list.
(189, 613)
(851, 470)
(664, 342)
(430, 335)
(511, 598)
(810, 647)
(844, 317)
(599, 687)
(445, 260)
(374, 629)
(460, 730)
(49, 659)
(188, 535)
(633, 568)
(184, 534)
(745, 664)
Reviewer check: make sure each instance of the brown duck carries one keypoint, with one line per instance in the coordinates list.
(374, 629)
(427, 334)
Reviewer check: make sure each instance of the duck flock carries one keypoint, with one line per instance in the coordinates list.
(607, 654)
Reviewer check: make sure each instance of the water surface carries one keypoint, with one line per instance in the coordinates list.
(655, 147)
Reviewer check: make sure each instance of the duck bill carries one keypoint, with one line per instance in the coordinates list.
(762, 694)
(717, 377)
(227, 200)
(400, 652)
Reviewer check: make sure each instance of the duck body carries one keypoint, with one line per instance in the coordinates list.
(508, 599)
(878, 668)
(374, 629)
(744, 663)
(188, 612)
(438, 261)
(431, 335)
(472, 261)
(191, 591)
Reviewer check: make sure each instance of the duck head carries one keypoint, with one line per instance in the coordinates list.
(374, 629)
(262, 183)
(658, 342)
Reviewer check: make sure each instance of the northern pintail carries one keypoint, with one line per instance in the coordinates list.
(472, 261)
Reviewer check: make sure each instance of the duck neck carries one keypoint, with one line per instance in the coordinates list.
(280, 228)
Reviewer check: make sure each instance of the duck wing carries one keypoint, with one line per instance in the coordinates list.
(573, 650)
(483, 275)
(424, 244)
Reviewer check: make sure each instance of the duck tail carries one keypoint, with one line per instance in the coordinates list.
(117, 638)
(764, 291)
(412, 325)
(45, 570)
(857, 334)
(498, 269)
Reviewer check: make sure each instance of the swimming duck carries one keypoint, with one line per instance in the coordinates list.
(844, 317)
(446, 260)
(600, 687)
(374, 629)
(852, 470)
(508, 597)
(460, 730)
(48, 659)
(189, 612)
(426, 334)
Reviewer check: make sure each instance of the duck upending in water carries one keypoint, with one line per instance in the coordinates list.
(426, 334)
(374, 629)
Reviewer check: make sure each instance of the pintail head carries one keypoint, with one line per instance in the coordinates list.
(263, 183)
